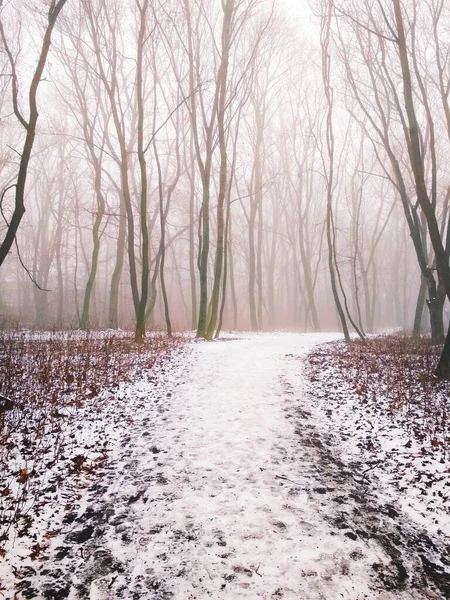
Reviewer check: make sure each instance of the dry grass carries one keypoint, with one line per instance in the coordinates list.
(53, 379)
(396, 373)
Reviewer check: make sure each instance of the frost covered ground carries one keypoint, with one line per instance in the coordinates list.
(226, 478)
(398, 431)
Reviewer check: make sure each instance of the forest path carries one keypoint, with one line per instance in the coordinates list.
(223, 489)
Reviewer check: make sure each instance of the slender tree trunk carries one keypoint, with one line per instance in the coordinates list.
(252, 267)
(113, 313)
(259, 267)
(59, 277)
(228, 8)
(162, 244)
(145, 269)
(192, 273)
(325, 35)
(84, 321)
(232, 279)
(204, 253)
(225, 269)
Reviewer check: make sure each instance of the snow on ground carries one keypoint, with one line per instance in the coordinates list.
(406, 469)
(224, 483)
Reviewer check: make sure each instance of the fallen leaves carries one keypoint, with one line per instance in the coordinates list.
(37, 549)
(59, 381)
(383, 400)
(23, 476)
(77, 463)
(360, 389)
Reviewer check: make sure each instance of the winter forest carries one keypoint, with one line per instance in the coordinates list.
(246, 165)
(224, 292)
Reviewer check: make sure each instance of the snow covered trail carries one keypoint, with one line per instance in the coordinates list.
(222, 488)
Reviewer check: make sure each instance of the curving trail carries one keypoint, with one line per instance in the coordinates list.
(223, 487)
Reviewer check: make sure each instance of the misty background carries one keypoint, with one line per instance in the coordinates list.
(243, 164)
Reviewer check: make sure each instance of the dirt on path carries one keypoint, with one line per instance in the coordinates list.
(224, 487)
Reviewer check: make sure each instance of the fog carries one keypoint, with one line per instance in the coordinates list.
(207, 165)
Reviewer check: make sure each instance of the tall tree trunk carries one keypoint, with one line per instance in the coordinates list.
(192, 273)
(113, 313)
(84, 321)
(204, 253)
(225, 268)
(145, 269)
(232, 279)
(325, 39)
(259, 267)
(228, 8)
(252, 267)
(162, 244)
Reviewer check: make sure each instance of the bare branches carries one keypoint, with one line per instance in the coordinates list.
(27, 270)
(14, 79)
(363, 26)
(164, 123)
(30, 125)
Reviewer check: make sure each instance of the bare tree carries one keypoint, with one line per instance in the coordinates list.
(329, 167)
(28, 123)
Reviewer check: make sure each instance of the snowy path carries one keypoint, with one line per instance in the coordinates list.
(222, 489)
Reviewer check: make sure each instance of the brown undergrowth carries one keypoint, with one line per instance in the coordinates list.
(395, 373)
(54, 381)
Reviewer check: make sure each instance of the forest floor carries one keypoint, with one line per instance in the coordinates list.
(244, 468)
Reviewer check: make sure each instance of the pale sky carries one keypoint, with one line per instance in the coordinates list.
(298, 8)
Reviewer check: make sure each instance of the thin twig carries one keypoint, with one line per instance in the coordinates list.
(27, 270)
(284, 478)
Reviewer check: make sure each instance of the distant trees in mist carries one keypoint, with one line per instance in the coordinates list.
(204, 164)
